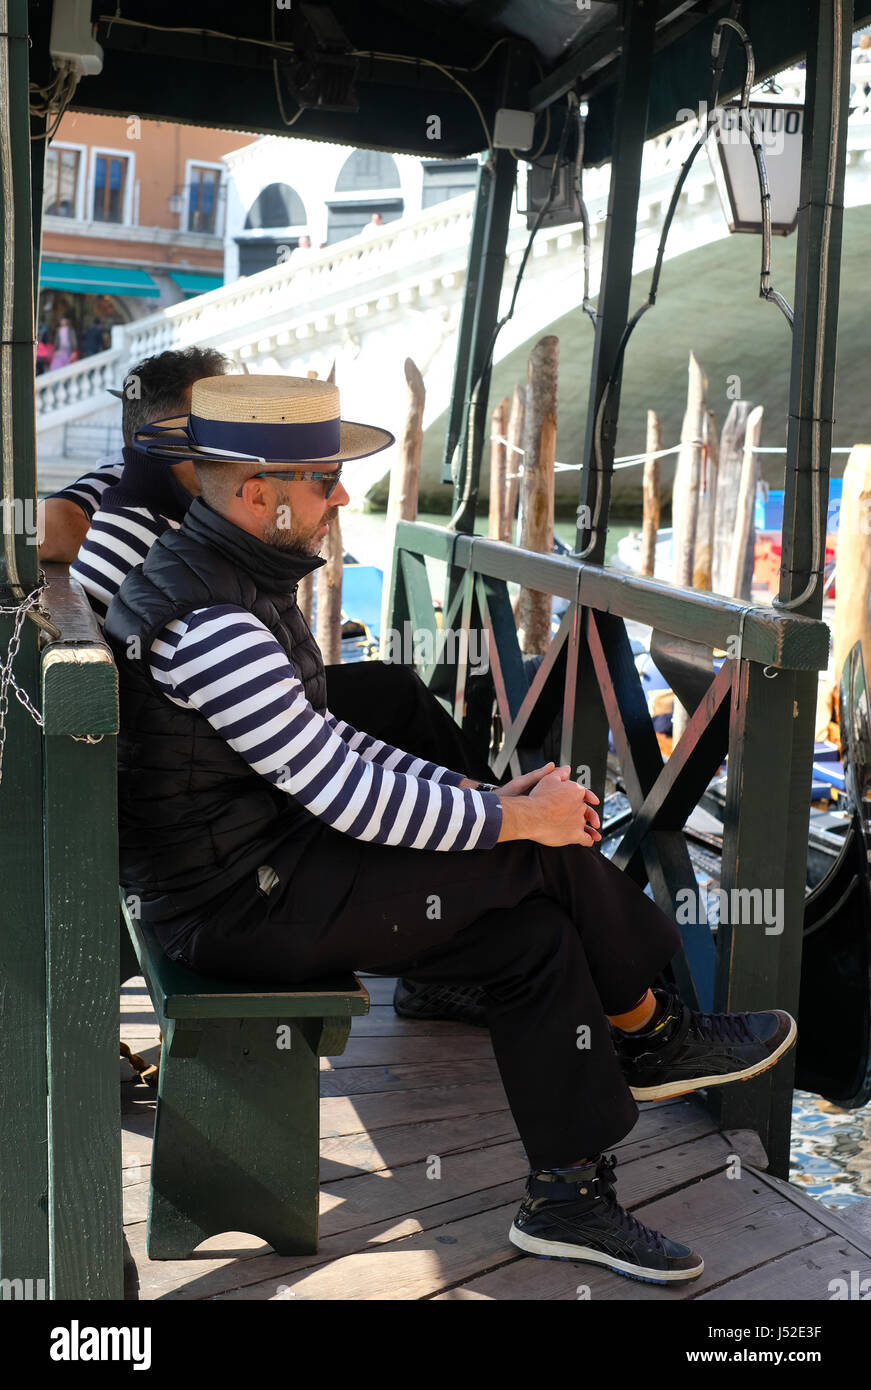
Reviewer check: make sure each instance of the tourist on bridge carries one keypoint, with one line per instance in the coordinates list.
(268, 839)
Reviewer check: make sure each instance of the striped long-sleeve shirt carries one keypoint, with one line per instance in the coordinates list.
(87, 491)
(223, 662)
(117, 541)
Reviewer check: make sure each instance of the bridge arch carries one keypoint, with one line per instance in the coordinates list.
(368, 184)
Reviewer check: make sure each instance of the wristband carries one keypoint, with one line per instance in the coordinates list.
(486, 787)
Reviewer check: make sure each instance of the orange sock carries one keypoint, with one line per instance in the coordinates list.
(638, 1017)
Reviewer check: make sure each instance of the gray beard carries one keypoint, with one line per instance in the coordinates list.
(285, 538)
(289, 537)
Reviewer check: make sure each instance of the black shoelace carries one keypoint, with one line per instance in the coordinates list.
(625, 1220)
(719, 1028)
(711, 1028)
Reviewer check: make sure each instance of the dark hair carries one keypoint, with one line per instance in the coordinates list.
(161, 383)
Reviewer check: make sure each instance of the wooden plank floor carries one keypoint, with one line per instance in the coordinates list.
(422, 1172)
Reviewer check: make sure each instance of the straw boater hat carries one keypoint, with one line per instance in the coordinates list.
(270, 420)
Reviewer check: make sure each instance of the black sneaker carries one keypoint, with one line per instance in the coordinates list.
(573, 1214)
(687, 1050)
(456, 1003)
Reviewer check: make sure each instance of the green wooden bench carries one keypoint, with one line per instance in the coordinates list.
(236, 1136)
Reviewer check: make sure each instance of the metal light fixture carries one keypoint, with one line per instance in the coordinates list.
(779, 129)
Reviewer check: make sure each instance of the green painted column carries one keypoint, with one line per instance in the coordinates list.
(80, 709)
(23, 1119)
(771, 748)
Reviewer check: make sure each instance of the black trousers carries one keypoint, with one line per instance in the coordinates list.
(392, 703)
(558, 939)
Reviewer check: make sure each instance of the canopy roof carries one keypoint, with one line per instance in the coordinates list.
(217, 65)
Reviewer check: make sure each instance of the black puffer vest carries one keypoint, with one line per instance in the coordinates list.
(194, 817)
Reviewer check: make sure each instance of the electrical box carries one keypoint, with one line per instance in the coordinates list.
(513, 129)
(565, 206)
(72, 43)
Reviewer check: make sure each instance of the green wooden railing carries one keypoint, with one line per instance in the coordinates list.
(747, 711)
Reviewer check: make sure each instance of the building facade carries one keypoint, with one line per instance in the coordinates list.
(133, 221)
(285, 195)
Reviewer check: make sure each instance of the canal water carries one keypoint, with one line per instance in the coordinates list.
(831, 1148)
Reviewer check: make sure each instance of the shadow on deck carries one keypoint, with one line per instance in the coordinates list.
(405, 1094)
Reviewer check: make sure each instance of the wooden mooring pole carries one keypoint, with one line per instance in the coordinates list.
(685, 495)
(533, 609)
(728, 482)
(702, 558)
(853, 592)
(742, 536)
(404, 480)
(685, 498)
(498, 528)
(651, 495)
(329, 581)
(514, 457)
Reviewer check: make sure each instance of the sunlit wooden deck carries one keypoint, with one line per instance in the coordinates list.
(406, 1099)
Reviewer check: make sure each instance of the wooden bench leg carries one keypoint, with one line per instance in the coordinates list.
(236, 1135)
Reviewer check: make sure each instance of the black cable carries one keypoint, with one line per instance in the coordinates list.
(473, 404)
(719, 51)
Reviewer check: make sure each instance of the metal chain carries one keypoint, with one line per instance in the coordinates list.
(7, 679)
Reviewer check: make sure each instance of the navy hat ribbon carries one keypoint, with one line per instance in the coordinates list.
(277, 440)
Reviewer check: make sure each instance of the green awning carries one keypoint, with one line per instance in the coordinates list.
(189, 282)
(97, 279)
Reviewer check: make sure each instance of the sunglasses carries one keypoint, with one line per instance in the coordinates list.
(296, 475)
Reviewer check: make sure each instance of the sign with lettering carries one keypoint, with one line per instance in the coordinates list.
(779, 130)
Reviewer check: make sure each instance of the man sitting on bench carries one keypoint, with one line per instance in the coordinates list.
(268, 840)
(105, 523)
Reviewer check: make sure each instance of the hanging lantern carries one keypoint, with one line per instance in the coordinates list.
(779, 128)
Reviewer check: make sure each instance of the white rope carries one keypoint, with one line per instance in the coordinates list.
(632, 460)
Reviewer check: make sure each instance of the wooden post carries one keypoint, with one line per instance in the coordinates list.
(80, 702)
(329, 614)
(24, 1166)
(702, 559)
(533, 609)
(404, 478)
(498, 529)
(853, 593)
(514, 457)
(651, 495)
(728, 479)
(304, 596)
(685, 497)
(742, 537)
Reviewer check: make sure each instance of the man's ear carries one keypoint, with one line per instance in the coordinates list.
(255, 496)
